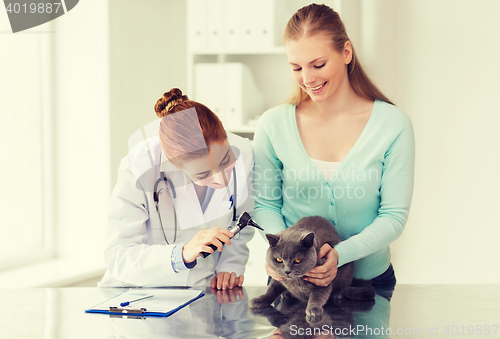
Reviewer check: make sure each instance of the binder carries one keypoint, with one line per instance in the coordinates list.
(215, 17)
(264, 25)
(247, 15)
(209, 87)
(229, 90)
(243, 100)
(232, 26)
(163, 303)
(197, 25)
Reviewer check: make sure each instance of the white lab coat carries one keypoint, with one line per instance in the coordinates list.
(136, 253)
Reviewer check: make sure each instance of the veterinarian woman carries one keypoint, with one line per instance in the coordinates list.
(178, 191)
(339, 149)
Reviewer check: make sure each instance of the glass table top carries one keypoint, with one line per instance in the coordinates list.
(426, 311)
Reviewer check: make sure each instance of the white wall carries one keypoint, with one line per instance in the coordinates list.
(148, 50)
(82, 130)
(75, 126)
(438, 60)
(26, 166)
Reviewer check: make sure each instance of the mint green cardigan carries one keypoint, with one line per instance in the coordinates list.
(367, 200)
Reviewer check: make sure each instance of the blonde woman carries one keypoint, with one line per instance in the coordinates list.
(339, 149)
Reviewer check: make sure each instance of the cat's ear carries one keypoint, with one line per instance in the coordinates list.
(273, 239)
(308, 240)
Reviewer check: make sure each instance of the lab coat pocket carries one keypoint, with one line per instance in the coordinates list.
(223, 208)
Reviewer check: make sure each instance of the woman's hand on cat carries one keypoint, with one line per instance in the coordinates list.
(272, 273)
(324, 274)
(225, 280)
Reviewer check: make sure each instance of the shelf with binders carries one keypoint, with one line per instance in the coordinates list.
(235, 26)
(236, 63)
(241, 87)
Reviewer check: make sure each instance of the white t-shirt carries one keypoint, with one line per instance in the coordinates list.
(326, 168)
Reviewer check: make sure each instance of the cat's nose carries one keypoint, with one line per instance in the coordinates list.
(287, 272)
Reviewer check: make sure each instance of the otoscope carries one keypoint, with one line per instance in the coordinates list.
(243, 222)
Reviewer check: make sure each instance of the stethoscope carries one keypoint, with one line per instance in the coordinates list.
(156, 198)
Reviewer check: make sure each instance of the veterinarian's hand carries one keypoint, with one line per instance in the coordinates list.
(228, 296)
(272, 273)
(199, 243)
(225, 280)
(276, 335)
(324, 274)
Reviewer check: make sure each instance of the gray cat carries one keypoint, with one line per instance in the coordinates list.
(293, 253)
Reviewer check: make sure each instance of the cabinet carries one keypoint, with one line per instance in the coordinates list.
(237, 65)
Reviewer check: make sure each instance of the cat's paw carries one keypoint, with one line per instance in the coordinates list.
(336, 296)
(259, 302)
(314, 310)
(314, 314)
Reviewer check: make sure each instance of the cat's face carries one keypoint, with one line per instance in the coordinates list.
(292, 255)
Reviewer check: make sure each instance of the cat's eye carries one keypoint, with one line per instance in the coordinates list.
(279, 259)
(298, 260)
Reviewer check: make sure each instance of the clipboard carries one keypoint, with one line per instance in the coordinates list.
(164, 302)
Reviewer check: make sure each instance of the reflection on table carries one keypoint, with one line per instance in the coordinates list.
(415, 310)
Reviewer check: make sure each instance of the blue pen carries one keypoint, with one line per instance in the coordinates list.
(126, 303)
